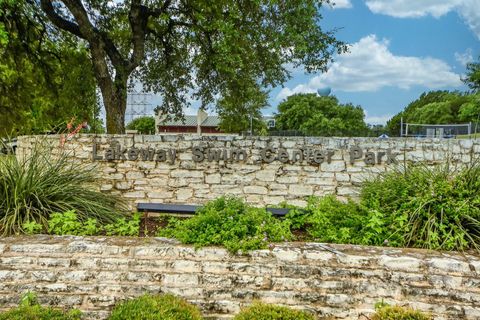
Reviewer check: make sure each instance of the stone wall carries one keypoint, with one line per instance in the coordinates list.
(264, 170)
(341, 281)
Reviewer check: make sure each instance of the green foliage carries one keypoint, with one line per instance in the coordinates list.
(262, 311)
(230, 222)
(67, 223)
(438, 107)
(31, 227)
(144, 125)
(32, 189)
(330, 220)
(320, 116)
(64, 223)
(427, 207)
(29, 309)
(209, 49)
(155, 307)
(239, 111)
(43, 81)
(124, 227)
(472, 78)
(334, 221)
(386, 312)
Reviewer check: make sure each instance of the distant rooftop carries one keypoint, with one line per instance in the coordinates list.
(191, 121)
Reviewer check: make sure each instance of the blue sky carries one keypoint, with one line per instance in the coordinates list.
(398, 49)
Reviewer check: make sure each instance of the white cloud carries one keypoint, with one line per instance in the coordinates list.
(379, 119)
(370, 66)
(341, 4)
(464, 58)
(469, 10)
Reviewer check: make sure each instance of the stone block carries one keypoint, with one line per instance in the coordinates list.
(255, 190)
(213, 178)
(265, 175)
(180, 280)
(300, 190)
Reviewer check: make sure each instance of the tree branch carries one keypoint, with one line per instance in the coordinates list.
(92, 34)
(59, 21)
(138, 18)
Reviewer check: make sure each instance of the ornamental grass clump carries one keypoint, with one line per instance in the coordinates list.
(228, 221)
(434, 207)
(155, 307)
(263, 311)
(33, 188)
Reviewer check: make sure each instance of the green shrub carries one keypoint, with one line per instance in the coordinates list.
(399, 313)
(262, 311)
(428, 207)
(31, 227)
(29, 309)
(144, 125)
(230, 222)
(31, 189)
(67, 223)
(158, 307)
(125, 227)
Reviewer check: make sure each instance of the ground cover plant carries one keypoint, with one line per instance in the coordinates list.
(228, 221)
(156, 307)
(263, 311)
(29, 309)
(68, 223)
(33, 188)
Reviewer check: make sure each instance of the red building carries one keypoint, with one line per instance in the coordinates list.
(201, 123)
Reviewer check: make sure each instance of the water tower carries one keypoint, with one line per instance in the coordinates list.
(324, 92)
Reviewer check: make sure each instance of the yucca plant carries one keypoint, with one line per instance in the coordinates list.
(40, 184)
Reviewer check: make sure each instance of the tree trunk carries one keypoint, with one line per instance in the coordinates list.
(115, 100)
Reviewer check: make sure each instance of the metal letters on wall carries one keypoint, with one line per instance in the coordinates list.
(267, 155)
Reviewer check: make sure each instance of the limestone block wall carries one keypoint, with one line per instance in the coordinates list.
(337, 281)
(263, 170)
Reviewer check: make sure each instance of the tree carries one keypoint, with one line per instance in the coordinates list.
(239, 110)
(43, 83)
(320, 116)
(202, 47)
(438, 107)
(144, 125)
(472, 78)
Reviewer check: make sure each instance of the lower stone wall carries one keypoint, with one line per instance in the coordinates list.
(340, 281)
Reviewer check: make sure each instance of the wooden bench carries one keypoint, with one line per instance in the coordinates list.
(190, 209)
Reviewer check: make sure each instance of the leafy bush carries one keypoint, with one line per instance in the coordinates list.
(158, 307)
(330, 220)
(124, 227)
(31, 189)
(144, 125)
(31, 227)
(230, 222)
(399, 313)
(428, 207)
(262, 311)
(29, 309)
(68, 223)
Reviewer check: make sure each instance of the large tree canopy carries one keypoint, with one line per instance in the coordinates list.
(200, 47)
(43, 81)
(320, 116)
(438, 107)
